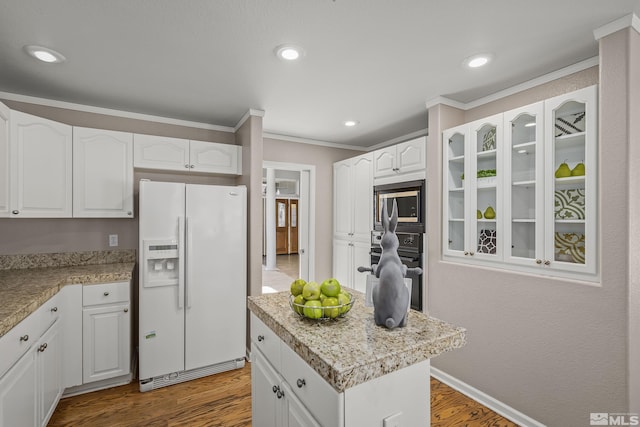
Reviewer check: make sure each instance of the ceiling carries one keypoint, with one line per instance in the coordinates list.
(375, 61)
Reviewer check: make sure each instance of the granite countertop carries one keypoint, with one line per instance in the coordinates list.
(23, 290)
(352, 350)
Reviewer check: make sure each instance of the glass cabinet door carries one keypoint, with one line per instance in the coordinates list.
(524, 167)
(571, 177)
(454, 230)
(486, 201)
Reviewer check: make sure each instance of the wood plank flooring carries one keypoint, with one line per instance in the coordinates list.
(224, 400)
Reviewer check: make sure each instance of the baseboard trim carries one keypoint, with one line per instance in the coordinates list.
(486, 400)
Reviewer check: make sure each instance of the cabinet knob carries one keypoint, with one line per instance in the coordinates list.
(275, 388)
(466, 253)
(300, 382)
(129, 213)
(279, 394)
(260, 338)
(547, 262)
(24, 338)
(42, 348)
(472, 253)
(538, 261)
(15, 212)
(126, 310)
(54, 309)
(106, 294)
(186, 166)
(192, 166)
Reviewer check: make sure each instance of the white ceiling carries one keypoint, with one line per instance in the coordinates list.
(209, 61)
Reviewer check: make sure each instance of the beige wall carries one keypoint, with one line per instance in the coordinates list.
(22, 236)
(553, 349)
(322, 158)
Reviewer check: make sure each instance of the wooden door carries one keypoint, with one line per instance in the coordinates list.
(293, 226)
(282, 226)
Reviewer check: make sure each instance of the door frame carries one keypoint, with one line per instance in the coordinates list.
(306, 214)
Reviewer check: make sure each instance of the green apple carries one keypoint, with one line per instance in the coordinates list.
(330, 287)
(344, 299)
(312, 309)
(296, 287)
(330, 306)
(311, 291)
(298, 302)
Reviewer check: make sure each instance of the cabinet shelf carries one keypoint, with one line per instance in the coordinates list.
(456, 189)
(456, 159)
(570, 180)
(487, 220)
(523, 220)
(525, 148)
(527, 183)
(456, 219)
(570, 221)
(488, 153)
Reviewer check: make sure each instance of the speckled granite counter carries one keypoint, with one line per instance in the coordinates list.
(353, 350)
(23, 290)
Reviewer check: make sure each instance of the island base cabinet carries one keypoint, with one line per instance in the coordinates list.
(398, 396)
(18, 393)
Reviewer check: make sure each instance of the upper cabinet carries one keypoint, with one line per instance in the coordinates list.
(401, 158)
(520, 188)
(41, 167)
(102, 173)
(165, 153)
(4, 160)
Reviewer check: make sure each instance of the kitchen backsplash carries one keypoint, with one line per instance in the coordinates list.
(63, 259)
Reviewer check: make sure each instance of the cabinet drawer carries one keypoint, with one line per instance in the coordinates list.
(105, 293)
(266, 340)
(17, 341)
(49, 312)
(322, 401)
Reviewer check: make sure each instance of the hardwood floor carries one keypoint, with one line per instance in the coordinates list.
(225, 400)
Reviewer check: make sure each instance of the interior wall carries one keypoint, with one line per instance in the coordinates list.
(551, 348)
(46, 235)
(323, 158)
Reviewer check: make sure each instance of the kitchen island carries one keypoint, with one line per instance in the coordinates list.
(344, 372)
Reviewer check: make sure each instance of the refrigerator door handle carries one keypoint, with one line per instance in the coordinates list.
(181, 273)
(188, 256)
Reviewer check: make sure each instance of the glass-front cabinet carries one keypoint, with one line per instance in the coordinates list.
(473, 161)
(519, 188)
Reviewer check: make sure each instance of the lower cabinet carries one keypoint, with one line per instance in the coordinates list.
(106, 331)
(31, 389)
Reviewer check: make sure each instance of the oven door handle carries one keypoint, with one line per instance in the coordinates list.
(404, 258)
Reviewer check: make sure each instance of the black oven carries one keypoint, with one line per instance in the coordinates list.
(410, 252)
(410, 198)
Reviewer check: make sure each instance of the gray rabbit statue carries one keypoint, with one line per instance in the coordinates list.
(390, 296)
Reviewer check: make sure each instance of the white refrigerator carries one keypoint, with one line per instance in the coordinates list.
(192, 287)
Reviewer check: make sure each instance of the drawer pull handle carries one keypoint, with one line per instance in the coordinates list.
(260, 338)
(42, 348)
(300, 382)
(106, 294)
(275, 388)
(24, 338)
(15, 212)
(54, 309)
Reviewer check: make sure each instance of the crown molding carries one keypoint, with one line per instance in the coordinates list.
(554, 75)
(249, 113)
(631, 20)
(407, 137)
(110, 112)
(272, 135)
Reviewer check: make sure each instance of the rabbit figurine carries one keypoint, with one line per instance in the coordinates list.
(390, 296)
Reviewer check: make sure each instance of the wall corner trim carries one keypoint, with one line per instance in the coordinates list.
(484, 399)
(249, 113)
(281, 137)
(630, 20)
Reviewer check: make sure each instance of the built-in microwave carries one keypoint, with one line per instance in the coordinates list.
(410, 199)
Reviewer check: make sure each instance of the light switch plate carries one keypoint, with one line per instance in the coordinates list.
(392, 420)
(113, 240)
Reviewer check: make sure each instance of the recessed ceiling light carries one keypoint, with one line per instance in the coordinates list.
(351, 123)
(289, 52)
(479, 60)
(44, 54)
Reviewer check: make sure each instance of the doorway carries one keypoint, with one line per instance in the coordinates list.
(292, 231)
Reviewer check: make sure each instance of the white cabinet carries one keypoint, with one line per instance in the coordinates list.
(31, 388)
(409, 156)
(106, 335)
(4, 160)
(541, 222)
(71, 324)
(352, 219)
(102, 173)
(41, 167)
(165, 153)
